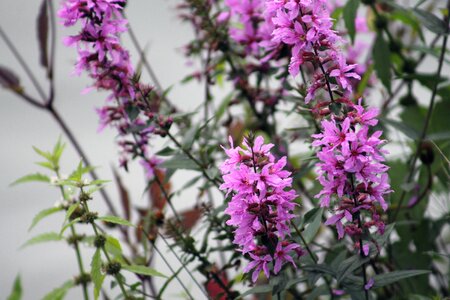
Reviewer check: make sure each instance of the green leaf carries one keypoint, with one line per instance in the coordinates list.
(314, 226)
(389, 278)
(44, 154)
(60, 292)
(57, 152)
(70, 211)
(96, 273)
(349, 265)
(350, 10)
(42, 214)
(382, 60)
(167, 151)
(115, 220)
(112, 246)
(30, 178)
(143, 270)
(430, 21)
(259, 289)
(63, 229)
(180, 161)
(43, 238)
(46, 164)
(16, 293)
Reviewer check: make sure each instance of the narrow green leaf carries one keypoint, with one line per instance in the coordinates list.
(96, 273)
(16, 293)
(42, 214)
(112, 245)
(60, 292)
(382, 60)
(58, 151)
(389, 278)
(350, 10)
(430, 21)
(314, 226)
(70, 211)
(259, 289)
(44, 154)
(63, 229)
(349, 265)
(46, 164)
(143, 270)
(179, 161)
(42, 238)
(115, 220)
(30, 178)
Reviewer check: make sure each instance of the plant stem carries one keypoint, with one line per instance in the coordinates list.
(77, 248)
(108, 258)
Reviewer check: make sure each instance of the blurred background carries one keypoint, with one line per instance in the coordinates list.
(46, 266)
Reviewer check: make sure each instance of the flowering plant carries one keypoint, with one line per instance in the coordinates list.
(316, 176)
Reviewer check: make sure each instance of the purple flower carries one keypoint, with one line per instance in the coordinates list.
(261, 204)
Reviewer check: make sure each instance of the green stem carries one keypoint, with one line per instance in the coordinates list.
(108, 258)
(76, 246)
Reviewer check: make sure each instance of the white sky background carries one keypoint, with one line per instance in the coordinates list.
(44, 267)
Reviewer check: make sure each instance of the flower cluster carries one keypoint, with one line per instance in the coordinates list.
(254, 31)
(351, 169)
(306, 27)
(101, 55)
(261, 205)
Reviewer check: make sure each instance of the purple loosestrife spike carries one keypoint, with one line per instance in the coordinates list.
(261, 205)
(102, 57)
(350, 167)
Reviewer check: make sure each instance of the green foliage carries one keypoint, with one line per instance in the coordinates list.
(430, 21)
(143, 270)
(43, 238)
(392, 277)
(60, 292)
(43, 214)
(382, 60)
(115, 220)
(350, 10)
(96, 273)
(16, 293)
(31, 178)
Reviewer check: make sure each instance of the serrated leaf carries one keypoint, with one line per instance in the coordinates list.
(430, 21)
(382, 60)
(16, 293)
(42, 214)
(42, 33)
(60, 292)
(96, 273)
(143, 270)
(31, 178)
(389, 278)
(115, 220)
(43, 238)
(350, 10)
